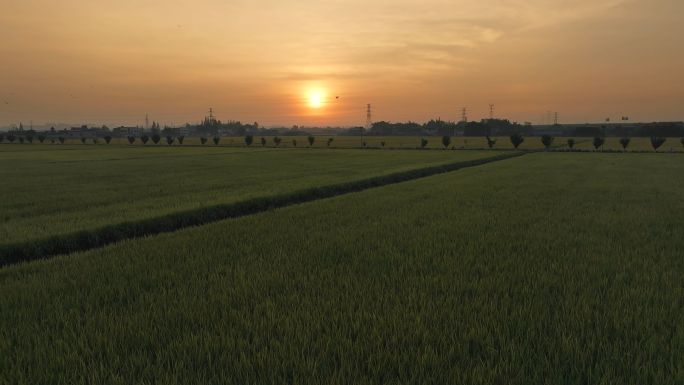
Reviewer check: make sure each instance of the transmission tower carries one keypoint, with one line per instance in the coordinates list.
(147, 123)
(548, 117)
(491, 111)
(369, 121)
(464, 114)
(555, 118)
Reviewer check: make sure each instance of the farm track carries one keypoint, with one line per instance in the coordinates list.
(100, 237)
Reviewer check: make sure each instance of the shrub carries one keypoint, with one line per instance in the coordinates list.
(311, 140)
(170, 140)
(294, 142)
(180, 140)
(52, 141)
(96, 141)
(41, 138)
(598, 142)
(517, 140)
(330, 140)
(107, 139)
(203, 140)
(29, 138)
(144, 139)
(83, 140)
(216, 140)
(61, 139)
(382, 144)
(446, 141)
(423, 143)
(248, 140)
(11, 138)
(21, 139)
(547, 141)
(571, 142)
(625, 142)
(363, 144)
(263, 142)
(131, 139)
(156, 139)
(277, 141)
(490, 142)
(657, 141)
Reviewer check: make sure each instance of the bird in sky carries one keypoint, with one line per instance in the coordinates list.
(74, 97)
(91, 86)
(337, 97)
(179, 25)
(6, 103)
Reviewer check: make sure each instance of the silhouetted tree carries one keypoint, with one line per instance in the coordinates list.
(490, 142)
(21, 139)
(382, 144)
(170, 140)
(277, 140)
(517, 140)
(61, 139)
(95, 141)
(2, 137)
(311, 139)
(681, 140)
(364, 144)
(423, 143)
(466, 142)
(41, 138)
(180, 140)
(446, 141)
(547, 141)
(657, 141)
(241, 131)
(52, 141)
(131, 139)
(156, 139)
(107, 139)
(83, 139)
(263, 142)
(144, 139)
(330, 140)
(571, 143)
(625, 142)
(11, 138)
(598, 142)
(216, 140)
(249, 139)
(29, 138)
(203, 140)
(294, 142)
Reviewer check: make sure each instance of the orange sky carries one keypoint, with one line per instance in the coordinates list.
(261, 60)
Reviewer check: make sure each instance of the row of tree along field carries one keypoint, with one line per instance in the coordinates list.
(515, 139)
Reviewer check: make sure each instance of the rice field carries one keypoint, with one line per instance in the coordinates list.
(546, 268)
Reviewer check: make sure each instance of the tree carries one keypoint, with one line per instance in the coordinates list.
(446, 141)
(657, 141)
(598, 142)
(263, 142)
(249, 139)
(625, 142)
(681, 140)
(330, 140)
(180, 140)
(277, 141)
(144, 139)
(311, 140)
(155, 131)
(364, 144)
(382, 144)
(571, 143)
(547, 141)
(11, 138)
(490, 142)
(3, 138)
(21, 139)
(423, 143)
(241, 131)
(29, 138)
(170, 140)
(107, 139)
(216, 140)
(95, 141)
(52, 141)
(517, 140)
(83, 139)
(41, 138)
(131, 139)
(203, 140)
(168, 131)
(294, 142)
(61, 139)
(156, 139)
(466, 142)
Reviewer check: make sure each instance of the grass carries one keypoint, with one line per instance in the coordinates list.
(554, 268)
(56, 191)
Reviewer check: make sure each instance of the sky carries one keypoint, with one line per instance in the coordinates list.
(285, 62)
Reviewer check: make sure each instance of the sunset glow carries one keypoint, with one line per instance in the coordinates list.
(315, 100)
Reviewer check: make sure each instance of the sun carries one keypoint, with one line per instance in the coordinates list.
(315, 100)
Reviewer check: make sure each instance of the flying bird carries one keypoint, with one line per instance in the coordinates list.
(337, 97)
(179, 25)
(74, 97)
(6, 103)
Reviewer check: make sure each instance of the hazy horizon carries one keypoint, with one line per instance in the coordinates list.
(283, 63)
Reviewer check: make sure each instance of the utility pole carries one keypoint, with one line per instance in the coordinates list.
(369, 123)
(147, 123)
(555, 118)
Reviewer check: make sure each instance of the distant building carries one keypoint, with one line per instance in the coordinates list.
(356, 131)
